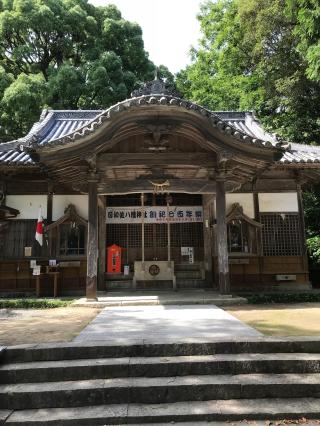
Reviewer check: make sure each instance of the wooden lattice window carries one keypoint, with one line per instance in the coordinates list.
(281, 235)
(72, 239)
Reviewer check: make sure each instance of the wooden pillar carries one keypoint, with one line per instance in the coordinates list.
(258, 231)
(304, 258)
(142, 229)
(49, 202)
(222, 243)
(168, 232)
(102, 241)
(92, 242)
(207, 204)
(301, 220)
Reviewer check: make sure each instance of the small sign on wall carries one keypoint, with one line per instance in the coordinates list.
(36, 270)
(28, 251)
(188, 251)
(33, 263)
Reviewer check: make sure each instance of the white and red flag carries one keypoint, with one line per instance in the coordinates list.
(39, 229)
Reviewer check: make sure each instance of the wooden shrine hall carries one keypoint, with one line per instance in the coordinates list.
(155, 192)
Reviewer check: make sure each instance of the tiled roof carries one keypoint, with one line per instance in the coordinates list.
(15, 157)
(301, 154)
(295, 154)
(52, 125)
(246, 122)
(57, 124)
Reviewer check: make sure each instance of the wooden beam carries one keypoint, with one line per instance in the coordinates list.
(205, 159)
(102, 241)
(222, 243)
(92, 242)
(191, 186)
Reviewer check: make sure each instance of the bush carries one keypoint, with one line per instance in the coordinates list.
(313, 244)
(258, 299)
(33, 303)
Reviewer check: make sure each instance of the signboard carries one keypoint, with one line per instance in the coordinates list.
(28, 251)
(36, 270)
(155, 214)
(188, 251)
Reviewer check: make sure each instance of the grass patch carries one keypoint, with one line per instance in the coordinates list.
(34, 303)
(260, 299)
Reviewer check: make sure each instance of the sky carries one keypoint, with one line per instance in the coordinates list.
(170, 27)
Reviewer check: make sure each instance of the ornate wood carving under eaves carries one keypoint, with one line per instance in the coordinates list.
(158, 138)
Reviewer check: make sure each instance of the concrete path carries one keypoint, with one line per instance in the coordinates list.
(164, 324)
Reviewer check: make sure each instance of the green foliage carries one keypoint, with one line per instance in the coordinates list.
(311, 202)
(65, 54)
(251, 56)
(259, 299)
(307, 30)
(313, 244)
(33, 303)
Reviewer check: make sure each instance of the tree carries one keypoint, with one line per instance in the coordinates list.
(65, 54)
(251, 56)
(263, 55)
(308, 32)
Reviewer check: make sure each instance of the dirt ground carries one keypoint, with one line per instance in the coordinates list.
(18, 326)
(301, 319)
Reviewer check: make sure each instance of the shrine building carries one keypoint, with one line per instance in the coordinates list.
(155, 192)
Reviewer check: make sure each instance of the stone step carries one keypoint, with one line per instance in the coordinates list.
(188, 274)
(81, 350)
(156, 390)
(174, 298)
(186, 412)
(104, 368)
(187, 267)
(193, 283)
(118, 284)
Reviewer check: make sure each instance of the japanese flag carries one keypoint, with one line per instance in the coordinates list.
(39, 230)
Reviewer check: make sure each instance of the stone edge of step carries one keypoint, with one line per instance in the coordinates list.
(251, 379)
(96, 349)
(222, 410)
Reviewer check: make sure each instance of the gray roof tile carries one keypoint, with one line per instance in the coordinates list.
(55, 124)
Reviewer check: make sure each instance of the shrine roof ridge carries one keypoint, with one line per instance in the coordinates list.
(63, 127)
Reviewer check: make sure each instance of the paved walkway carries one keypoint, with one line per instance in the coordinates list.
(164, 324)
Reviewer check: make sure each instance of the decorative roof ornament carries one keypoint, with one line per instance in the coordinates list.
(158, 86)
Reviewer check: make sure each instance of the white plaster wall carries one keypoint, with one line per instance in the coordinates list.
(28, 205)
(278, 202)
(245, 200)
(60, 202)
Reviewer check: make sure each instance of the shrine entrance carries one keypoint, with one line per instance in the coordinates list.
(158, 228)
(157, 140)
